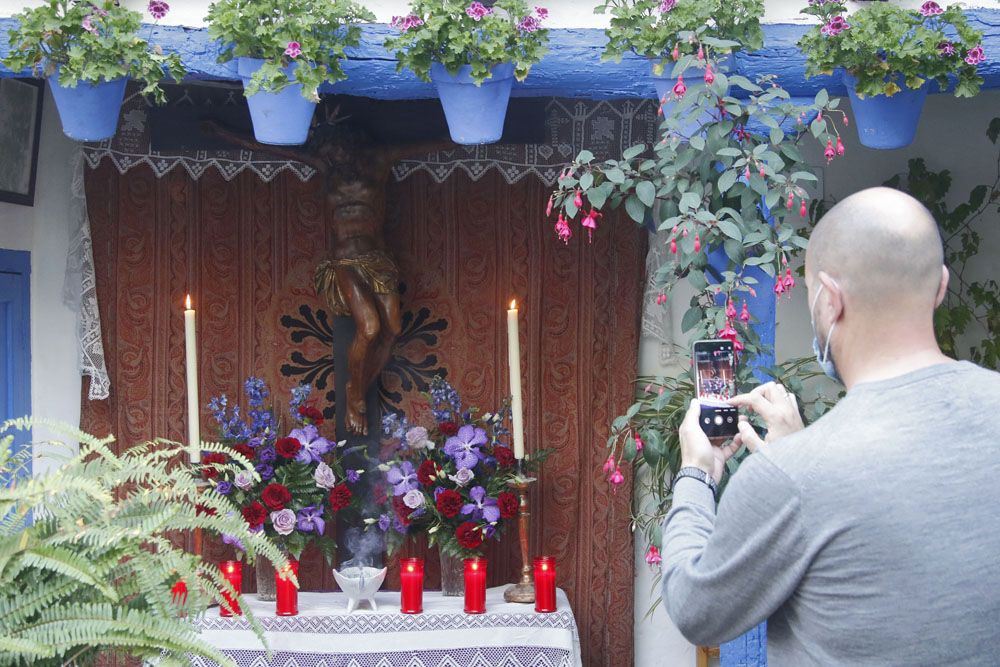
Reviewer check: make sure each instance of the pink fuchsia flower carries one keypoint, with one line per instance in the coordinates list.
(477, 10)
(697, 243)
(548, 207)
(609, 465)
(946, 48)
(744, 314)
(709, 74)
(840, 146)
(157, 9)
(788, 281)
(829, 153)
(542, 13)
(729, 333)
(679, 87)
(617, 478)
(931, 8)
(562, 230)
(667, 5)
(976, 55)
(88, 24)
(653, 557)
(293, 50)
(578, 199)
(590, 223)
(638, 442)
(730, 309)
(529, 24)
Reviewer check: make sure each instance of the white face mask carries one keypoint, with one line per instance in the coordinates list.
(824, 358)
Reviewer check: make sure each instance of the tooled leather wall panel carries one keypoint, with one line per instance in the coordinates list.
(246, 249)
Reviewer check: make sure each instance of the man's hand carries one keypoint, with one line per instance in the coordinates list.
(697, 450)
(778, 408)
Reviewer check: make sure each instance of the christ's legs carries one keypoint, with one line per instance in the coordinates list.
(366, 314)
(381, 351)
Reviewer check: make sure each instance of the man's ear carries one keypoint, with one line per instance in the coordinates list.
(833, 295)
(943, 287)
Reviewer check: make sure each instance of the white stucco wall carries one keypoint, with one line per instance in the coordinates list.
(562, 13)
(43, 229)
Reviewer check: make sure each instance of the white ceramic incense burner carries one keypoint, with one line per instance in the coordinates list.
(359, 581)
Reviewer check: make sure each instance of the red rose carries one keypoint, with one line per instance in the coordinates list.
(401, 510)
(312, 414)
(287, 447)
(508, 504)
(427, 473)
(469, 535)
(276, 496)
(449, 503)
(340, 497)
(246, 450)
(209, 471)
(254, 514)
(448, 428)
(204, 509)
(504, 456)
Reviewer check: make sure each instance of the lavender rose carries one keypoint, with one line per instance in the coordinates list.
(324, 476)
(284, 521)
(413, 499)
(243, 480)
(462, 477)
(416, 438)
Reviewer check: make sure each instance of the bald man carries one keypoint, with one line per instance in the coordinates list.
(872, 537)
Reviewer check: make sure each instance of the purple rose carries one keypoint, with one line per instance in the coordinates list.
(265, 471)
(283, 521)
(267, 454)
(353, 476)
(225, 488)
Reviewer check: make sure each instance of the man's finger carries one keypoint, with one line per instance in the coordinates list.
(748, 436)
(692, 415)
(755, 401)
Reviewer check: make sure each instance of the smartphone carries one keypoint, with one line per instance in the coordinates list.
(715, 382)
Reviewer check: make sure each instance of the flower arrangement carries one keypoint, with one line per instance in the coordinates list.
(310, 35)
(887, 48)
(91, 42)
(452, 481)
(456, 33)
(300, 482)
(656, 29)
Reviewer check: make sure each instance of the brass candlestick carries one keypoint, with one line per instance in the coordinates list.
(524, 590)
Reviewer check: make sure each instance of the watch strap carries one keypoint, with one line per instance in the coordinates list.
(701, 476)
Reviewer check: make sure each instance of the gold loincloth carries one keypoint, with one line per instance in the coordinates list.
(376, 268)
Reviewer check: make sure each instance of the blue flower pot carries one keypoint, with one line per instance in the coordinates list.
(89, 111)
(282, 118)
(885, 122)
(475, 114)
(695, 82)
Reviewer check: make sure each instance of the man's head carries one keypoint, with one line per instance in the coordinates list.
(875, 270)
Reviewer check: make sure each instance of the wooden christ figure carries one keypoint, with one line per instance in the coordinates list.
(360, 279)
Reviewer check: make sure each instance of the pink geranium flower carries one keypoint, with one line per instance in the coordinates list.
(542, 13)
(157, 9)
(477, 10)
(667, 5)
(976, 55)
(88, 25)
(529, 24)
(293, 50)
(946, 48)
(931, 8)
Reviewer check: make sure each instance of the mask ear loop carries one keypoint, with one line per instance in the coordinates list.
(812, 318)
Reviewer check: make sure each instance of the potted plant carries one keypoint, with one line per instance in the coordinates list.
(450, 481)
(888, 56)
(472, 53)
(285, 49)
(88, 51)
(664, 31)
(301, 484)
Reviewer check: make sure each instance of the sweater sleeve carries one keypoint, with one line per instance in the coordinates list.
(725, 573)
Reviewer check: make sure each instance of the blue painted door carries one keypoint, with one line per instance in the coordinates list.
(15, 339)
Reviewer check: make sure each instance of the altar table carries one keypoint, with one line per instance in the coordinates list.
(325, 635)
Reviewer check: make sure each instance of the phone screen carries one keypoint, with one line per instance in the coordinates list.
(715, 381)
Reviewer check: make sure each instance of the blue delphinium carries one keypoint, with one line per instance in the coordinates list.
(395, 425)
(446, 404)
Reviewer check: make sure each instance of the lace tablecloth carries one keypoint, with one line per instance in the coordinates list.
(325, 635)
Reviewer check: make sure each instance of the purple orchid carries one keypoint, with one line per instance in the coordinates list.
(464, 447)
(402, 477)
(313, 446)
(384, 521)
(310, 519)
(233, 540)
(483, 507)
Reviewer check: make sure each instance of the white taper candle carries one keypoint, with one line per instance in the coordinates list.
(514, 360)
(191, 361)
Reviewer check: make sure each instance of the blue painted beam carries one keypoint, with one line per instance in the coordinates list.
(573, 67)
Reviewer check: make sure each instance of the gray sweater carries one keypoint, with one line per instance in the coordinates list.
(870, 538)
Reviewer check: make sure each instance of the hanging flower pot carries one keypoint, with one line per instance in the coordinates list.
(885, 122)
(475, 114)
(280, 118)
(89, 112)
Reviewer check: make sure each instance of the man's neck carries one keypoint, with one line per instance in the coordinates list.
(884, 357)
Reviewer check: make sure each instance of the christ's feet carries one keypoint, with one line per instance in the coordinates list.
(357, 421)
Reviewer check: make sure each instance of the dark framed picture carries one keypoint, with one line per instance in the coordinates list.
(20, 132)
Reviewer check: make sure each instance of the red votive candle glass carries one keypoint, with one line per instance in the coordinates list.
(411, 585)
(475, 585)
(545, 584)
(287, 593)
(232, 571)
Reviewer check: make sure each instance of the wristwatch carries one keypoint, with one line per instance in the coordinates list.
(701, 476)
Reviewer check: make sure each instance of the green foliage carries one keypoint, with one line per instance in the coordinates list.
(971, 307)
(887, 48)
(264, 29)
(442, 31)
(88, 554)
(54, 38)
(640, 26)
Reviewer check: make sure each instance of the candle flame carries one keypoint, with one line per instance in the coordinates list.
(230, 569)
(475, 566)
(409, 568)
(513, 304)
(187, 302)
(545, 566)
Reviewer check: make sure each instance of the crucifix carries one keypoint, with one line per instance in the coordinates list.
(359, 278)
